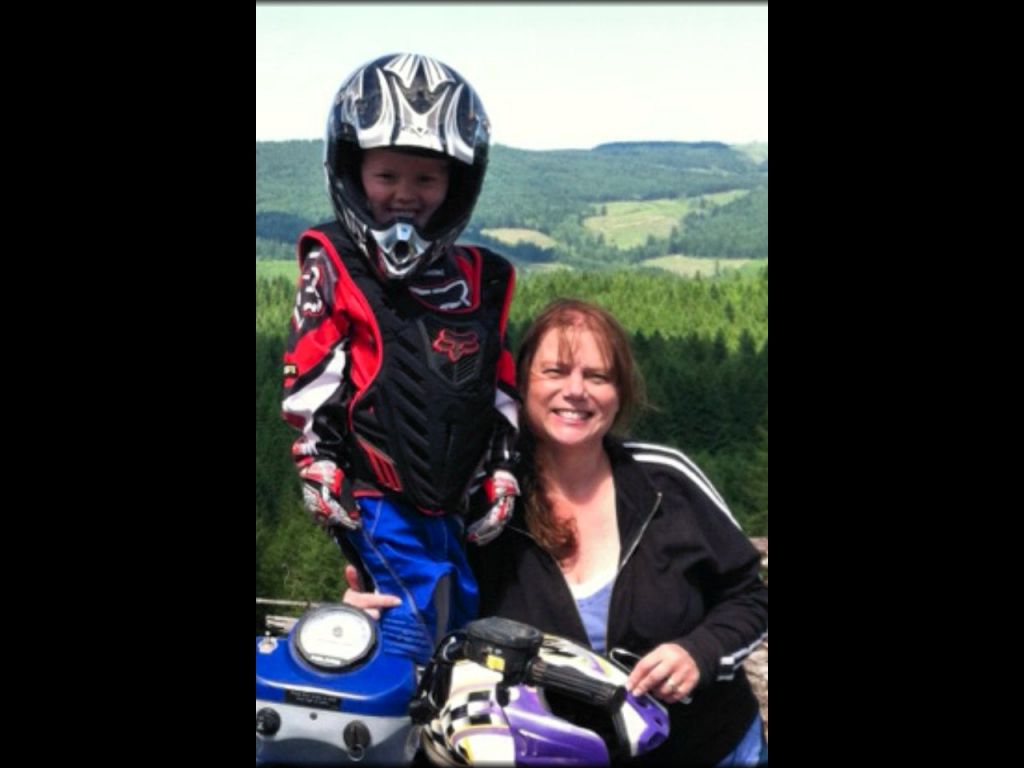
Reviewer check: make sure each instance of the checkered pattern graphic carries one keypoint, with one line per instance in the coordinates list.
(470, 711)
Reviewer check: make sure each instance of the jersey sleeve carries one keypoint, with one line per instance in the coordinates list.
(316, 385)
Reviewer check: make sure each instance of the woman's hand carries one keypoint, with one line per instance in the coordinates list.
(371, 602)
(668, 672)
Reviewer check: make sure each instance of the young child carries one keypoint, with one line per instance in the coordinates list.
(397, 372)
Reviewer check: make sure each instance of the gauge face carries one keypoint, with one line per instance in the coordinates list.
(334, 637)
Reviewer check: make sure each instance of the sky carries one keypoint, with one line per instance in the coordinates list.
(551, 76)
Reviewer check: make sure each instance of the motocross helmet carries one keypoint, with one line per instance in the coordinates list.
(485, 721)
(415, 103)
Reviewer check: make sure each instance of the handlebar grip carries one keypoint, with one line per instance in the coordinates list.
(574, 683)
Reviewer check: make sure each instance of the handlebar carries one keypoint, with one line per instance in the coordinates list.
(574, 683)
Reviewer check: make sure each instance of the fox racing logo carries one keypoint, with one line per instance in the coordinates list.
(455, 344)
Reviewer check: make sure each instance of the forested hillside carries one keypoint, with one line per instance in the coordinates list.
(702, 346)
(552, 193)
(578, 223)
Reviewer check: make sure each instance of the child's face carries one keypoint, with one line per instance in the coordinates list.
(398, 184)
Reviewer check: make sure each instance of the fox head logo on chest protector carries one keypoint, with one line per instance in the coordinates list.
(455, 344)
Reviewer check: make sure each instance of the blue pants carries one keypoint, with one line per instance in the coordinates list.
(752, 749)
(421, 560)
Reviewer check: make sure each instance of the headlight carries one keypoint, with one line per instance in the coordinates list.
(334, 636)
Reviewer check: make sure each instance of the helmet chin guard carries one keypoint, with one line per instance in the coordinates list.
(556, 702)
(400, 249)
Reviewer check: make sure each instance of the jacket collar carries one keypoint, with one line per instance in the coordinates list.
(635, 494)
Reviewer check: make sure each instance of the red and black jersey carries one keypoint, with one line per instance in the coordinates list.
(402, 385)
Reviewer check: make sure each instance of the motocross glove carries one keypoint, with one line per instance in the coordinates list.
(501, 489)
(327, 494)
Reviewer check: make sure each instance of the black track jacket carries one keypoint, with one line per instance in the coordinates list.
(687, 574)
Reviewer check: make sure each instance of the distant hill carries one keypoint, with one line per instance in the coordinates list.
(551, 192)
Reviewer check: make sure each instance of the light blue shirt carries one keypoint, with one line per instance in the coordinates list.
(594, 612)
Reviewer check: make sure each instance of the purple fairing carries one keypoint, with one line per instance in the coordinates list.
(641, 722)
(654, 719)
(542, 739)
(528, 732)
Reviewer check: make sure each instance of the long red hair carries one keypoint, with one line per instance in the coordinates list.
(558, 536)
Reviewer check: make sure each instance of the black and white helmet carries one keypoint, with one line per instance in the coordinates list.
(405, 101)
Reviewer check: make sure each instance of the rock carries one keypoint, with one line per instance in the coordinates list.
(756, 664)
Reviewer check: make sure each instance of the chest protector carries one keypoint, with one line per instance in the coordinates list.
(421, 426)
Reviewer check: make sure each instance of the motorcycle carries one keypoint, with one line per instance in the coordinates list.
(331, 693)
(496, 692)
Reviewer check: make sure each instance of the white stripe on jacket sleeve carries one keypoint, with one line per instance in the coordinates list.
(657, 454)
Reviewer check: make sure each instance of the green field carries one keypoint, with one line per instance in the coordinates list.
(290, 270)
(513, 236)
(272, 269)
(628, 223)
(528, 268)
(688, 266)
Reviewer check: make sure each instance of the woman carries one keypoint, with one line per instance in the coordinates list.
(626, 545)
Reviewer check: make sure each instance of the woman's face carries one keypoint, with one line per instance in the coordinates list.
(571, 397)
(399, 184)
